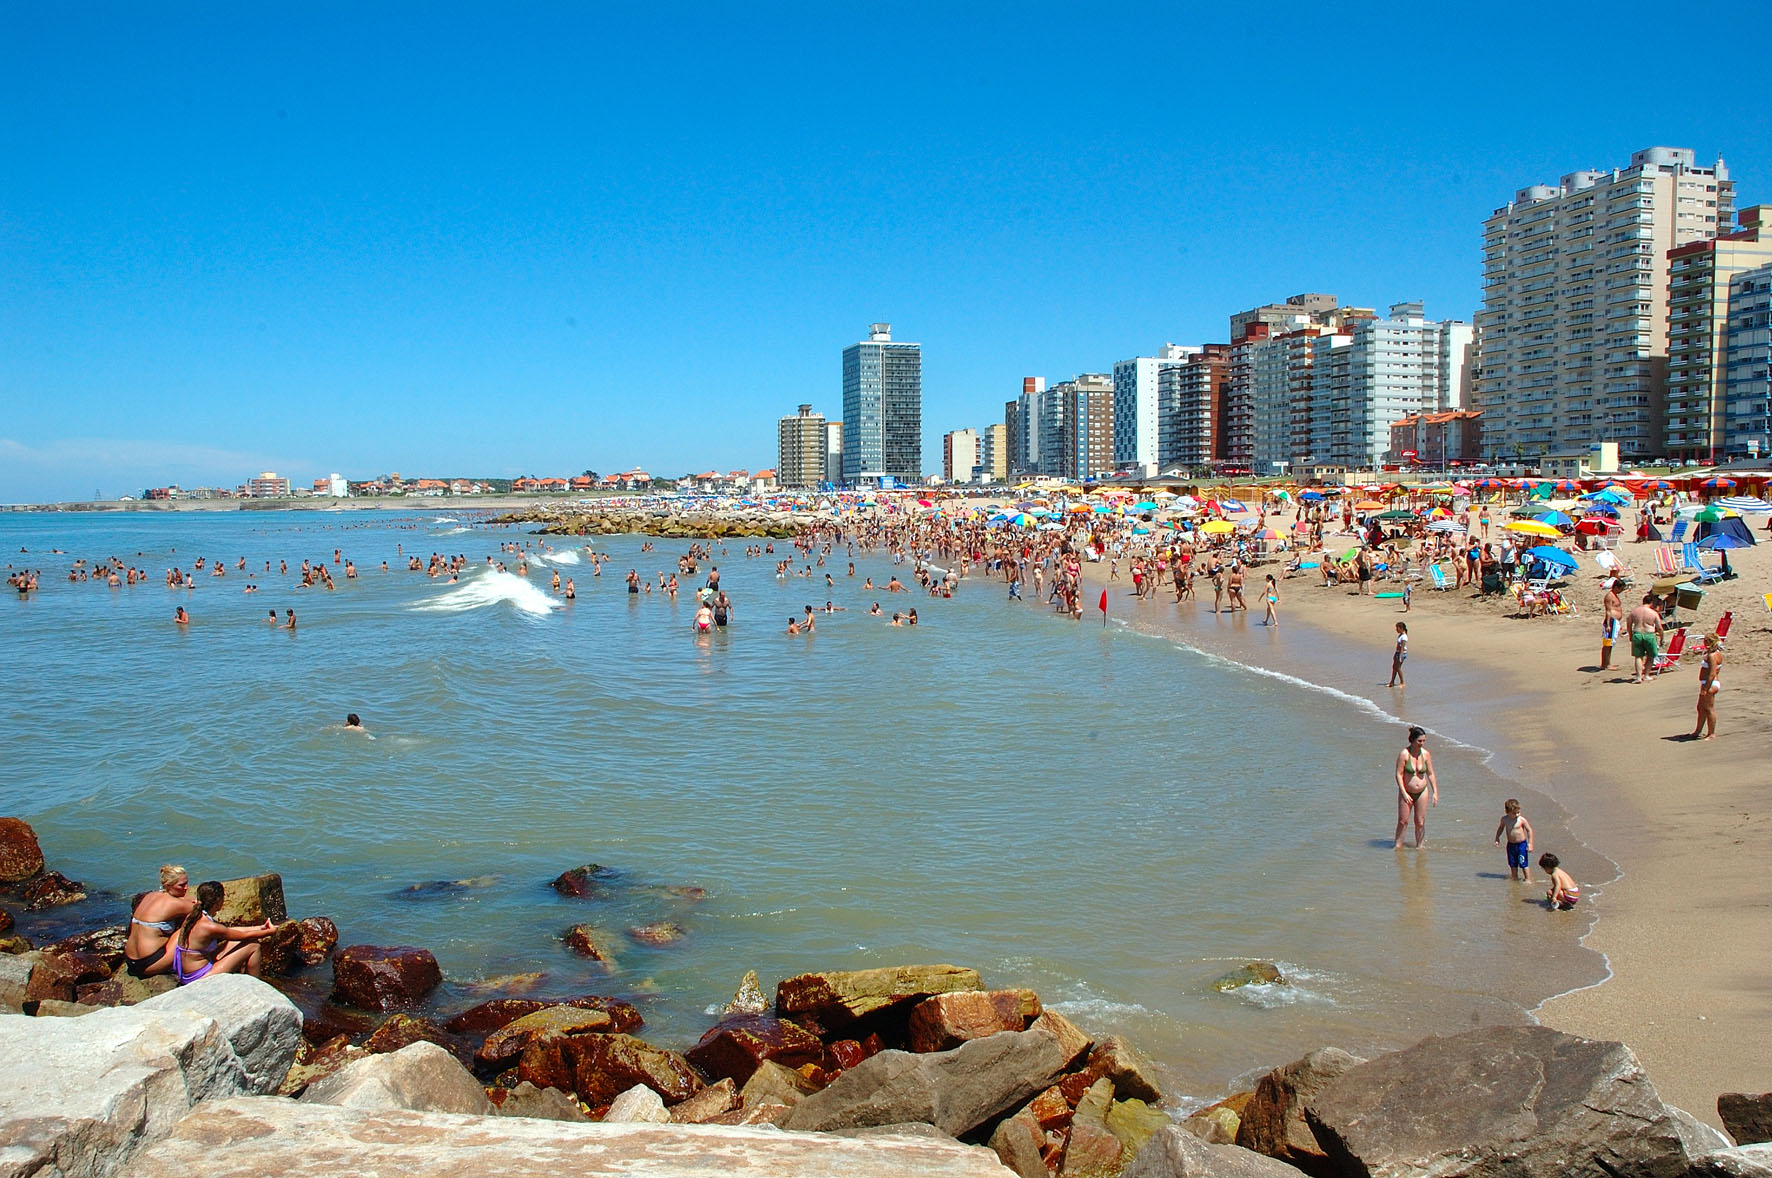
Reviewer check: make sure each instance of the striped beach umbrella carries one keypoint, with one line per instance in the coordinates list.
(1745, 503)
(1718, 484)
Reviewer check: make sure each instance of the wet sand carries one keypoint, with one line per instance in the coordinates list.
(1687, 928)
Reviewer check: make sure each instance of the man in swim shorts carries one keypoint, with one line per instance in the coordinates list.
(1613, 610)
(1645, 637)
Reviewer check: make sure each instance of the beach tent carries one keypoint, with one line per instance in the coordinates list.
(1733, 526)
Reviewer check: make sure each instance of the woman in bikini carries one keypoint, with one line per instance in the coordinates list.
(156, 917)
(1417, 787)
(204, 945)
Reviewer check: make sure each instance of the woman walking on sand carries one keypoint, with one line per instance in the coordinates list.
(1417, 786)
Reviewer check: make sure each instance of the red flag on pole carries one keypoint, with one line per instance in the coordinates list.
(1103, 607)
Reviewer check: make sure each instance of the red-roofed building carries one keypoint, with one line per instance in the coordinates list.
(1437, 439)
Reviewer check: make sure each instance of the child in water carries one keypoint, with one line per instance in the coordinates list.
(1564, 891)
(1519, 841)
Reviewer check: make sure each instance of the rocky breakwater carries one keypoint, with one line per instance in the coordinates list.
(698, 523)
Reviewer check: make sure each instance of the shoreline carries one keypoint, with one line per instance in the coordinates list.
(1685, 928)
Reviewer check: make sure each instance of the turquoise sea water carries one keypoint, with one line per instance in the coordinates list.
(1096, 812)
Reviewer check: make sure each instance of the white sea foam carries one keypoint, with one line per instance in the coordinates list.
(445, 519)
(452, 531)
(569, 556)
(490, 587)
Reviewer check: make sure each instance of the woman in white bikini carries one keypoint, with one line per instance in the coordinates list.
(1710, 673)
(1417, 786)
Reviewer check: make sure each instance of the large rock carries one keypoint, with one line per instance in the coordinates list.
(1218, 1124)
(15, 978)
(262, 1026)
(736, 1046)
(298, 943)
(582, 882)
(587, 941)
(773, 1084)
(1272, 1122)
(121, 989)
(60, 975)
(373, 977)
(945, 1021)
(1505, 1102)
(1749, 1161)
(252, 900)
(402, 1031)
(106, 944)
(526, 1100)
(315, 1063)
(50, 890)
(1071, 1038)
(835, 999)
(716, 1100)
(509, 1041)
(956, 1091)
(20, 856)
(1175, 1153)
(422, 1078)
(749, 999)
(501, 1012)
(1031, 1142)
(638, 1105)
(82, 1096)
(1748, 1118)
(601, 1067)
(1130, 1070)
(289, 1139)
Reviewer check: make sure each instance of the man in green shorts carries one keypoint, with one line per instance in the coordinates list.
(1645, 637)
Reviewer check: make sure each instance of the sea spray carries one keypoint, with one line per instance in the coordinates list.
(490, 587)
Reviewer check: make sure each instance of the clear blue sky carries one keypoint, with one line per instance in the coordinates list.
(500, 239)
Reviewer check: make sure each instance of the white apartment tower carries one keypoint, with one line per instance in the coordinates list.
(1375, 373)
(960, 452)
(1573, 329)
(1137, 414)
(1700, 277)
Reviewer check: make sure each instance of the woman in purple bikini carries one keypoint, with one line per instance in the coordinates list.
(205, 946)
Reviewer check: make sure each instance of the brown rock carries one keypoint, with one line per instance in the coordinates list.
(1273, 1122)
(506, 1044)
(329, 1022)
(13, 945)
(106, 944)
(120, 989)
(1747, 1117)
(490, 1016)
(373, 977)
(948, 1020)
(1217, 1124)
(314, 1063)
(1071, 1037)
(588, 942)
(1127, 1067)
(774, 1084)
(581, 882)
(6, 923)
(252, 900)
(319, 936)
(659, 932)
(1075, 1086)
(403, 1030)
(715, 1100)
(1031, 1141)
(835, 999)
(545, 1104)
(605, 1066)
(1134, 1122)
(1093, 1150)
(20, 856)
(50, 889)
(736, 1046)
(846, 1053)
(59, 975)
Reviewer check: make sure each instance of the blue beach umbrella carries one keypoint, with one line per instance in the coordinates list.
(1555, 519)
(1147, 505)
(1232, 505)
(1551, 555)
(1311, 495)
(1721, 541)
(1745, 503)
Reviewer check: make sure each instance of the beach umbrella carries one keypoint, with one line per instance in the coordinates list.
(1532, 527)
(1368, 505)
(1147, 505)
(1550, 555)
(1313, 496)
(1710, 515)
(1141, 530)
(1594, 526)
(1605, 508)
(1655, 485)
(1445, 525)
(1232, 505)
(1347, 556)
(1718, 484)
(1266, 534)
(1219, 527)
(1746, 503)
(1555, 517)
(1719, 541)
(1397, 515)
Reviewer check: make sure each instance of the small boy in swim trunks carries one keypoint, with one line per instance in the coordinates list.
(1519, 841)
(1564, 891)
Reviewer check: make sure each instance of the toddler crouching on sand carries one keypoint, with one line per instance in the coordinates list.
(1564, 891)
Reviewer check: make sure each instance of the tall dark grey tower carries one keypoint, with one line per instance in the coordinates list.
(882, 409)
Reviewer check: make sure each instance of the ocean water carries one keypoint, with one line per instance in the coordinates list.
(1101, 813)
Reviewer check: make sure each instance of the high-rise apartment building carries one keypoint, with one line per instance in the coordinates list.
(1024, 420)
(1747, 384)
(1699, 281)
(882, 409)
(1573, 327)
(1137, 414)
(959, 455)
(833, 453)
(993, 456)
(800, 449)
(1067, 430)
(268, 485)
(1190, 414)
(1268, 373)
(1373, 373)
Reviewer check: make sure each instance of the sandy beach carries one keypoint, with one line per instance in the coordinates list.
(1687, 927)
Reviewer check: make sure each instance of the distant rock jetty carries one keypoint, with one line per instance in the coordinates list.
(908, 1070)
(698, 522)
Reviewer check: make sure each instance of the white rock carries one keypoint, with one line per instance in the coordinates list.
(638, 1105)
(421, 1077)
(262, 1026)
(257, 1137)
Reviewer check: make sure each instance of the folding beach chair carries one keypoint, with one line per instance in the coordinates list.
(1668, 659)
(1723, 624)
(1703, 576)
(1611, 567)
(1439, 577)
(1667, 561)
(1680, 526)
